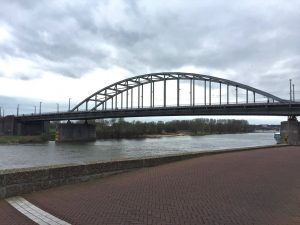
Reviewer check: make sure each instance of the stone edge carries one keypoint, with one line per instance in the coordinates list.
(21, 181)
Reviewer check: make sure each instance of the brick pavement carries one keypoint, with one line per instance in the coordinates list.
(9, 215)
(259, 187)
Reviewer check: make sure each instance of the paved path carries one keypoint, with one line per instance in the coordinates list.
(254, 187)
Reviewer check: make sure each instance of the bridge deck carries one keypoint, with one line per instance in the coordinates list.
(272, 109)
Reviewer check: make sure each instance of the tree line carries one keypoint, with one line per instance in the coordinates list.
(119, 128)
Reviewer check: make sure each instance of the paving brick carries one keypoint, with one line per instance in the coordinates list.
(10, 216)
(259, 187)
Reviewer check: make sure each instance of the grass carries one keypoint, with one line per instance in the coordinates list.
(23, 139)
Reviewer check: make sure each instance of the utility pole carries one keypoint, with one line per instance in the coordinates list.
(40, 107)
(293, 92)
(69, 104)
(57, 105)
(290, 90)
(18, 110)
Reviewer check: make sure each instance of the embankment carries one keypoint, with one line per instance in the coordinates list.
(23, 139)
(20, 181)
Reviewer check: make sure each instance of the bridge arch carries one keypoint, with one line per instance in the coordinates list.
(100, 98)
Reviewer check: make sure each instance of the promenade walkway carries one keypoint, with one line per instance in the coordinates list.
(258, 187)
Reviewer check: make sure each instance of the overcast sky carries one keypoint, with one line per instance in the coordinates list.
(51, 51)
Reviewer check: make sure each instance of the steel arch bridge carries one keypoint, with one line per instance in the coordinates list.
(107, 98)
(128, 98)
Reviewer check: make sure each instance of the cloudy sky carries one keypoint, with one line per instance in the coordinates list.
(51, 51)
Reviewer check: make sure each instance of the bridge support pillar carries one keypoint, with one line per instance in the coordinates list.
(290, 131)
(70, 132)
(9, 125)
(33, 128)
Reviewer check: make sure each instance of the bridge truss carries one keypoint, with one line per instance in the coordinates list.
(130, 93)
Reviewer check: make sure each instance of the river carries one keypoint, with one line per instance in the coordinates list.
(28, 155)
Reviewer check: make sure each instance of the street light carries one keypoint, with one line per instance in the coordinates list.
(293, 92)
(57, 106)
(290, 90)
(40, 107)
(18, 109)
(69, 104)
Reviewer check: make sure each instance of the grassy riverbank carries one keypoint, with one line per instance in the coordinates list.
(117, 129)
(180, 133)
(23, 139)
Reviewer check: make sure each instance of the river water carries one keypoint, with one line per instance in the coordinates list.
(28, 155)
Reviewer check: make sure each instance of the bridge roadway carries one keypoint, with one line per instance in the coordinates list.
(250, 109)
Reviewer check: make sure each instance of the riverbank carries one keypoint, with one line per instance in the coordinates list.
(44, 138)
(25, 180)
(23, 139)
(181, 133)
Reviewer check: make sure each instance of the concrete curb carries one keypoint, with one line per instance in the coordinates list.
(20, 181)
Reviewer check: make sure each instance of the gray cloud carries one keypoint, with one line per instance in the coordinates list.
(258, 41)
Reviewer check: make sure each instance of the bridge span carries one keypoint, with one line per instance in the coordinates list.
(258, 109)
(167, 94)
(163, 94)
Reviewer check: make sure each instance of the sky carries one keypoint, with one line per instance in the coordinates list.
(53, 51)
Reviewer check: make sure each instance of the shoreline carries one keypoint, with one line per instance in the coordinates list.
(177, 135)
(14, 140)
(165, 135)
(26, 180)
(40, 139)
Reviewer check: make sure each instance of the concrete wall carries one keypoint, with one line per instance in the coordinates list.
(9, 125)
(290, 132)
(33, 128)
(21, 181)
(67, 132)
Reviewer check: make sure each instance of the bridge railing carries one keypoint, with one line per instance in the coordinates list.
(157, 107)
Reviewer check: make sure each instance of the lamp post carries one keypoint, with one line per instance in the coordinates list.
(69, 104)
(18, 109)
(290, 90)
(293, 92)
(40, 107)
(57, 107)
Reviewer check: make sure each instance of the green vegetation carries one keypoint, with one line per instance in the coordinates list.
(23, 139)
(136, 129)
(119, 128)
(52, 131)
